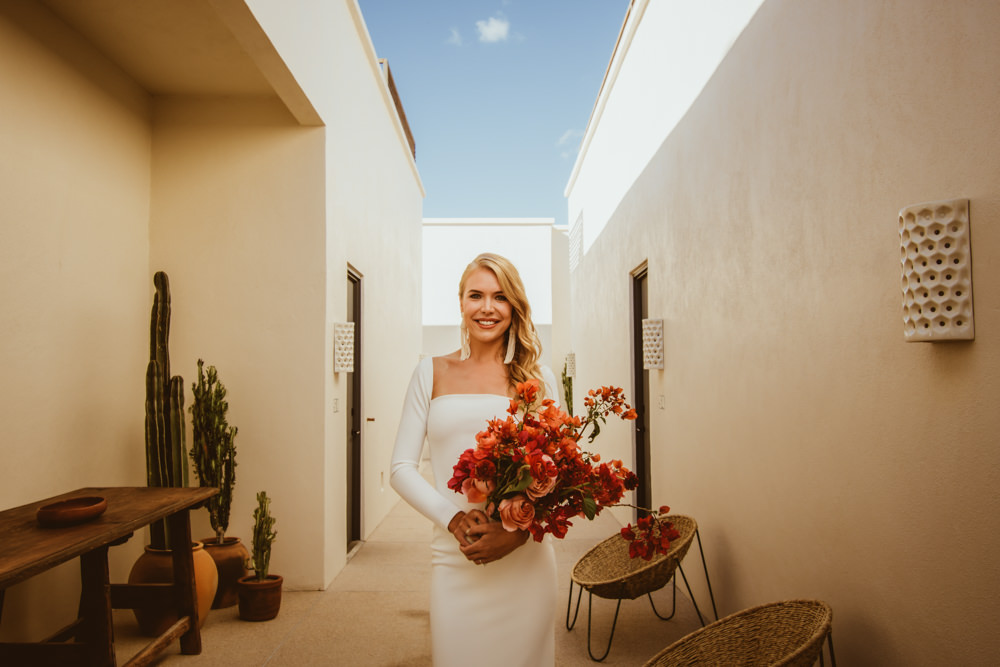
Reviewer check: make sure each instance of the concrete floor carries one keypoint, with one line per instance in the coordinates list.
(375, 611)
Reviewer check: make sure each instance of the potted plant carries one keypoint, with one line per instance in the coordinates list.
(166, 465)
(213, 452)
(260, 592)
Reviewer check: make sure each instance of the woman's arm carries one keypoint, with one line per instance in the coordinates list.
(405, 476)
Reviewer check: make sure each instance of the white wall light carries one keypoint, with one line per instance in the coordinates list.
(571, 365)
(652, 344)
(343, 347)
(936, 257)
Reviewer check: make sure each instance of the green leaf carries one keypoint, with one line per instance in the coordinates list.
(523, 479)
(589, 507)
(596, 432)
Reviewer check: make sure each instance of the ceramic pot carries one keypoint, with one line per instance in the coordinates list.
(259, 600)
(156, 566)
(230, 560)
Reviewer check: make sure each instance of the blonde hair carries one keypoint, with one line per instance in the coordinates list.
(528, 351)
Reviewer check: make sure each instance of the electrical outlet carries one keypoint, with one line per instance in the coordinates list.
(663, 402)
(336, 405)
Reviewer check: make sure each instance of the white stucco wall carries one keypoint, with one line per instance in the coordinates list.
(665, 54)
(822, 455)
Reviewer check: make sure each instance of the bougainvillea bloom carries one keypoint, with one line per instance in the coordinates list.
(532, 474)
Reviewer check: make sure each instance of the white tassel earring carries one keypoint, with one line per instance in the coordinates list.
(511, 346)
(464, 335)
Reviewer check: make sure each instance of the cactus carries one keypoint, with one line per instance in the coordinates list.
(263, 536)
(567, 389)
(166, 464)
(213, 449)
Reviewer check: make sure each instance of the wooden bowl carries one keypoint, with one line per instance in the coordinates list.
(72, 511)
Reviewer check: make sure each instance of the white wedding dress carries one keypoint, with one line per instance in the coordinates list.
(502, 613)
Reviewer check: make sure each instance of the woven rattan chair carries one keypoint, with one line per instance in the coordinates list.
(786, 634)
(608, 572)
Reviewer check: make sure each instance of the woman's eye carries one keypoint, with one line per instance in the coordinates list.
(501, 297)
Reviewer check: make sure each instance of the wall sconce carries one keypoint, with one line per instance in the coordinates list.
(571, 365)
(343, 347)
(652, 344)
(936, 255)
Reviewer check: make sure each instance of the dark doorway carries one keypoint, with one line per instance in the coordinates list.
(354, 414)
(640, 388)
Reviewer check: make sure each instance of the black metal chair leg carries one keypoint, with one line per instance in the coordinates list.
(569, 603)
(673, 606)
(707, 580)
(590, 615)
(691, 595)
(829, 640)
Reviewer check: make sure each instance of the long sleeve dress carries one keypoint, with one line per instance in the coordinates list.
(502, 613)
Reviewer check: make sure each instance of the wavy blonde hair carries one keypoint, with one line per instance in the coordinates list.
(529, 348)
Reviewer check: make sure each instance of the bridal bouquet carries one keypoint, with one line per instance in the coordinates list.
(532, 474)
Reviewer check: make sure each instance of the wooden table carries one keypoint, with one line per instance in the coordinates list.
(27, 549)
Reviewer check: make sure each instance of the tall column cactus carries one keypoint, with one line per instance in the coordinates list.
(166, 464)
(213, 449)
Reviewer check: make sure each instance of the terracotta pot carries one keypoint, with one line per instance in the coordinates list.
(230, 560)
(259, 600)
(156, 566)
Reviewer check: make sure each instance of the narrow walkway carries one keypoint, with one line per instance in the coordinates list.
(375, 612)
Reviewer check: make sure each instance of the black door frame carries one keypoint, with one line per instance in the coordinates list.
(354, 417)
(640, 387)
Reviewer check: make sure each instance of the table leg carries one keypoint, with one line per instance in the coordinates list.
(179, 525)
(96, 629)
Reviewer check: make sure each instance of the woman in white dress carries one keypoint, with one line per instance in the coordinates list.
(493, 592)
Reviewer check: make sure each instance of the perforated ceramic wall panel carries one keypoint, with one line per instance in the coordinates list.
(652, 344)
(343, 347)
(936, 254)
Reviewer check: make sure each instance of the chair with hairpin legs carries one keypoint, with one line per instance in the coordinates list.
(608, 572)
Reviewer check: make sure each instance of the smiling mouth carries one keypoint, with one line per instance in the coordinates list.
(487, 323)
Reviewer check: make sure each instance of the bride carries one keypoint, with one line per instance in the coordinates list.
(493, 592)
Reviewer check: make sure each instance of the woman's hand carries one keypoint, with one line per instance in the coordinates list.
(462, 523)
(489, 540)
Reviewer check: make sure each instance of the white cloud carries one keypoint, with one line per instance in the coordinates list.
(493, 29)
(567, 135)
(570, 142)
(455, 37)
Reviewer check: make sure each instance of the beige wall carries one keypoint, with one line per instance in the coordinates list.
(823, 456)
(255, 218)
(74, 286)
(238, 224)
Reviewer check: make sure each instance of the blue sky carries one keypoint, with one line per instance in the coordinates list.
(497, 94)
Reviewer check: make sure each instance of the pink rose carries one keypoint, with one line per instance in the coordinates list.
(516, 512)
(476, 490)
(537, 489)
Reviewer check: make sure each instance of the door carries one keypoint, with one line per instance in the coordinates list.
(353, 466)
(640, 388)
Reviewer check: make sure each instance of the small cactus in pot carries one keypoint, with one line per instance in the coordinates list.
(260, 592)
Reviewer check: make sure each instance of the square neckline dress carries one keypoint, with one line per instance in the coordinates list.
(502, 613)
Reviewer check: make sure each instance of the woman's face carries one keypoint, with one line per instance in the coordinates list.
(485, 309)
